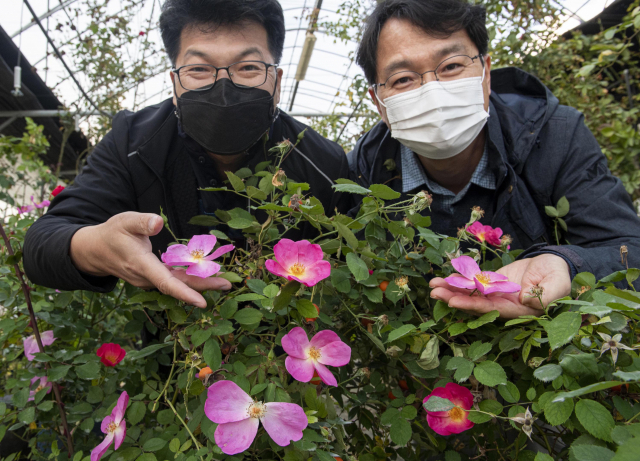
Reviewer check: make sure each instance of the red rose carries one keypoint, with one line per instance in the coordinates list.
(111, 354)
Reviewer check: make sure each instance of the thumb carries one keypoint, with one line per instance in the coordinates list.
(142, 223)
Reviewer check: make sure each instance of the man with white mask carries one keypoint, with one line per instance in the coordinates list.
(496, 140)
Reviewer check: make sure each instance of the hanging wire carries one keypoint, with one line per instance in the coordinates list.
(55, 49)
(17, 70)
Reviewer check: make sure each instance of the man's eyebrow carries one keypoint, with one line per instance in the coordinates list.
(404, 64)
(196, 53)
(249, 51)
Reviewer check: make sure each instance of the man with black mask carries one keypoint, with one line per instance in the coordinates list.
(223, 116)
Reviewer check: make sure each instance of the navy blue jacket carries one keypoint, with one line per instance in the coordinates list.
(544, 151)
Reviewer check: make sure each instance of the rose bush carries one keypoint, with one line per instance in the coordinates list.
(324, 349)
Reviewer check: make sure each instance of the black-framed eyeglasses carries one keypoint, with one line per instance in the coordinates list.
(243, 74)
(452, 68)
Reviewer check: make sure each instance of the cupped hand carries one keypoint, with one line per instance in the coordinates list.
(547, 271)
(121, 247)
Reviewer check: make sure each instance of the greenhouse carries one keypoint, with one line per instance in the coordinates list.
(318, 230)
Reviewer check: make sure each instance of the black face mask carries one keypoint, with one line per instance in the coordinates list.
(226, 119)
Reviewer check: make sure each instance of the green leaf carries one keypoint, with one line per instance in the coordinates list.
(236, 182)
(548, 373)
(347, 235)
(357, 267)
(563, 328)
(450, 455)
(398, 333)
(147, 457)
(351, 188)
(409, 412)
(248, 316)
(240, 223)
(211, 354)
(628, 375)
(563, 207)
(490, 373)
(586, 390)
(200, 336)
(629, 451)
(57, 373)
(462, 367)
(582, 365)
(458, 329)
(155, 444)
(177, 314)
(89, 370)
(228, 308)
(383, 192)
(440, 310)
(306, 308)
(127, 454)
(400, 431)
(551, 211)
(230, 276)
(27, 415)
(595, 418)
(478, 349)
(174, 445)
(136, 355)
(509, 392)
(543, 457)
(286, 292)
(558, 413)
(136, 412)
(591, 453)
(486, 318)
(436, 403)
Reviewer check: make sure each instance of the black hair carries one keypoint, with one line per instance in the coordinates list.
(209, 14)
(438, 18)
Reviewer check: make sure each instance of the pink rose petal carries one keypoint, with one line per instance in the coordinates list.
(335, 354)
(120, 433)
(325, 375)
(203, 243)
(296, 344)
(236, 437)
(284, 422)
(502, 287)
(177, 255)
(226, 402)
(309, 253)
(315, 273)
(203, 269)
(466, 266)
(300, 369)
(99, 451)
(220, 251)
(120, 408)
(286, 252)
(275, 268)
(459, 281)
(324, 337)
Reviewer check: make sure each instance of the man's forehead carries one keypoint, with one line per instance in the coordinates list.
(241, 41)
(402, 44)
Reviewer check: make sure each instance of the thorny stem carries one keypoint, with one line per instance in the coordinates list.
(36, 332)
(166, 385)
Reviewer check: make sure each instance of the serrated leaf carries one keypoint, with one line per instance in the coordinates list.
(247, 316)
(462, 367)
(436, 403)
(400, 431)
(486, 318)
(212, 354)
(383, 192)
(509, 392)
(347, 234)
(154, 444)
(595, 418)
(591, 453)
(478, 350)
(357, 267)
(548, 373)
(136, 412)
(563, 207)
(351, 188)
(236, 182)
(582, 365)
(490, 373)
(306, 308)
(563, 328)
(398, 333)
(429, 357)
(558, 413)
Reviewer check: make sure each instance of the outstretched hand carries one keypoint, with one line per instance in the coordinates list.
(547, 271)
(121, 247)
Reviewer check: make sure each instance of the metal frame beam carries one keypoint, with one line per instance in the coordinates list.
(60, 113)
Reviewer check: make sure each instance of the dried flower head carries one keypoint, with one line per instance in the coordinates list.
(526, 420)
(279, 178)
(477, 213)
(403, 283)
(421, 200)
(295, 201)
(613, 344)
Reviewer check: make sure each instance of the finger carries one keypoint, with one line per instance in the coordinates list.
(443, 294)
(438, 282)
(199, 283)
(140, 223)
(162, 278)
(507, 305)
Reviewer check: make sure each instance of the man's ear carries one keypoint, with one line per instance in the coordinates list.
(276, 97)
(173, 81)
(381, 111)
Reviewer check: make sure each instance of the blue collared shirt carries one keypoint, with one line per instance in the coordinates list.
(414, 176)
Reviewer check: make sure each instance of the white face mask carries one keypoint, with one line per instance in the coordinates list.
(440, 119)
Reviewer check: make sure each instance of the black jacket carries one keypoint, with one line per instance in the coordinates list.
(544, 151)
(142, 165)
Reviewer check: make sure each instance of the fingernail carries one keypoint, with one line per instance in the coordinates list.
(152, 224)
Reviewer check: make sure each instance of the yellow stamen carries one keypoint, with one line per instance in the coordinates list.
(314, 353)
(483, 278)
(112, 427)
(297, 269)
(197, 254)
(257, 410)
(457, 414)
